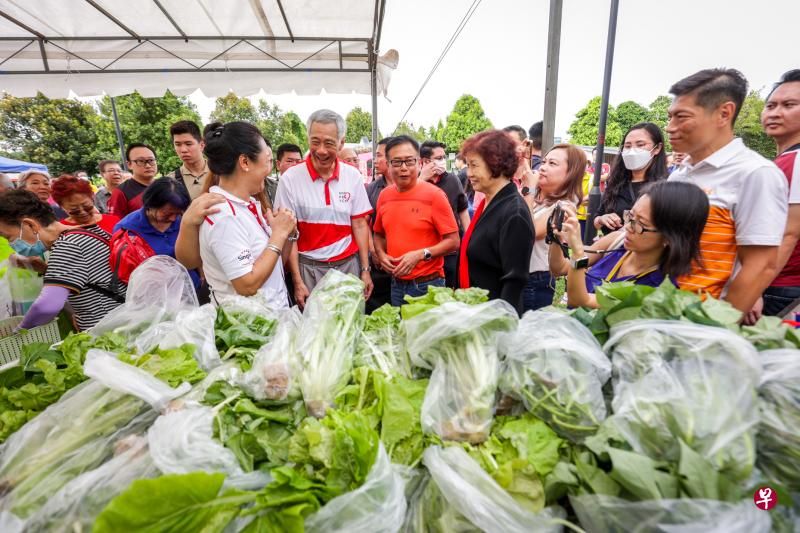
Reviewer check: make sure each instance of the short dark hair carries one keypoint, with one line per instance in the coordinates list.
(226, 142)
(497, 149)
(105, 162)
(137, 145)
(185, 126)
(401, 139)
(535, 134)
(287, 148)
(384, 141)
(517, 128)
(165, 191)
(426, 149)
(714, 86)
(788, 77)
(20, 203)
(679, 212)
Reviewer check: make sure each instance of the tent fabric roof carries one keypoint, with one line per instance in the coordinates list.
(14, 166)
(118, 46)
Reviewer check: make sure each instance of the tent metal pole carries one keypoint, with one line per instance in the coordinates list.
(374, 90)
(120, 141)
(551, 78)
(594, 195)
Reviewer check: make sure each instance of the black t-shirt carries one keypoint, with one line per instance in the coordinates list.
(451, 186)
(624, 200)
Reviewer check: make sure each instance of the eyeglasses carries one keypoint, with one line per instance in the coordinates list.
(145, 162)
(89, 209)
(397, 163)
(636, 226)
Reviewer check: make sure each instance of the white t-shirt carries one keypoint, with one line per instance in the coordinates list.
(539, 259)
(230, 243)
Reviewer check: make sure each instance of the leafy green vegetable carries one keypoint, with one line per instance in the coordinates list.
(239, 334)
(173, 366)
(441, 295)
(381, 344)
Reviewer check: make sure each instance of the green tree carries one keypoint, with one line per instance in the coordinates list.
(406, 128)
(659, 115)
(465, 120)
(62, 134)
(436, 132)
(359, 124)
(630, 113)
(231, 108)
(147, 120)
(583, 130)
(281, 127)
(748, 126)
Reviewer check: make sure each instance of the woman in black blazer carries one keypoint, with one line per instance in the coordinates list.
(496, 249)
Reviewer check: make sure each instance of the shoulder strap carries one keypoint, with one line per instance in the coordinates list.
(178, 174)
(81, 231)
(108, 293)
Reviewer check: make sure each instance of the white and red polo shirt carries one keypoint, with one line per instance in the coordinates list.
(789, 163)
(324, 209)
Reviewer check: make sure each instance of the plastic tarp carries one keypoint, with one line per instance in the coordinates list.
(120, 46)
(15, 166)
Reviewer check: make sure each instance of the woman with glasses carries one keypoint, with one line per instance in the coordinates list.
(640, 161)
(128, 196)
(660, 238)
(76, 198)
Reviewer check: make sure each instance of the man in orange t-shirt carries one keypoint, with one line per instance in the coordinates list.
(414, 225)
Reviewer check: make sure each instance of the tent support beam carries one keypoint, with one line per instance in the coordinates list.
(286, 21)
(24, 46)
(44, 55)
(181, 70)
(551, 76)
(170, 19)
(117, 129)
(21, 25)
(594, 195)
(112, 18)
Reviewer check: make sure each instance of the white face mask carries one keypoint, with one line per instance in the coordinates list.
(636, 158)
(441, 164)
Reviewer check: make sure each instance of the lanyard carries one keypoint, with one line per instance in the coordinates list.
(616, 268)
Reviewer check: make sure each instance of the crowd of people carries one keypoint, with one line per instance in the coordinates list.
(713, 216)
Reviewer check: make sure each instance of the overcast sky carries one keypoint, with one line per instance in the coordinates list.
(500, 56)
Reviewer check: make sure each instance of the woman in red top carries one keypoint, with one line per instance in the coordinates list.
(75, 196)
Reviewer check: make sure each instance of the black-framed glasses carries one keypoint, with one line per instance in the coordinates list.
(636, 227)
(145, 162)
(397, 163)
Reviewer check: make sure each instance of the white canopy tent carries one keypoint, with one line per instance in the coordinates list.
(115, 47)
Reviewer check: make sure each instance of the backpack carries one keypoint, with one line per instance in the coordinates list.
(128, 251)
(112, 291)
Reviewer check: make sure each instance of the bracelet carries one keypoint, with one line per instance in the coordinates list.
(294, 236)
(274, 249)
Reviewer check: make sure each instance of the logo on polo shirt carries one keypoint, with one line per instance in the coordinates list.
(245, 256)
(344, 197)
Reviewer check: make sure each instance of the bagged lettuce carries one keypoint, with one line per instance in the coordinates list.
(381, 343)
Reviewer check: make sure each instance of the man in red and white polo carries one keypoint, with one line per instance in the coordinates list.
(331, 205)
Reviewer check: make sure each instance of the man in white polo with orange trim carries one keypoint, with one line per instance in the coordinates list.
(331, 205)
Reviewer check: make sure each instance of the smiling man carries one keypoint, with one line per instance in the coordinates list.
(747, 193)
(331, 205)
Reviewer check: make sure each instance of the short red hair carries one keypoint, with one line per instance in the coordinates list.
(66, 185)
(497, 149)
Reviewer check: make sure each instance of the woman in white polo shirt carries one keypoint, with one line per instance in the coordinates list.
(240, 246)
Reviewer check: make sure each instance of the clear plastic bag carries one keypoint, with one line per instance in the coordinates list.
(779, 430)
(428, 510)
(381, 345)
(377, 506)
(680, 381)
(183, 441)
(76, 506)
(460, 343)
(480, 499)
(555, 366)
(193, 325)
(607, 514)
(105, 368)
(332, 321)
(276, 366)
(6, 303)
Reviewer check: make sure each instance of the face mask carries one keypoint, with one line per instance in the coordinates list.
(636, 158)
(28, 250)
(440, 164)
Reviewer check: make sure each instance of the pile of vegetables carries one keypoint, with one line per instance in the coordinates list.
(655, 412)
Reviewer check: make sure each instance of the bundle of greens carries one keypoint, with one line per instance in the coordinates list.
(332, 322)
(680, 382)
(381, 344)
(779, 406)
(555, 366)
(459, 343)
(441, 295)
(241, 328)
(43, 375)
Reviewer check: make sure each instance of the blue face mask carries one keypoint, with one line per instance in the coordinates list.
(28, 250)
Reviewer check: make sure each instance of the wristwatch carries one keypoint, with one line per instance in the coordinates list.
(367, 268)
(426, 255)
(579, 264)
(525, 191)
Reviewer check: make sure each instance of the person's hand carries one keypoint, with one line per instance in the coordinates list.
(610, 221)
(201, 207)
(282, 221)
(368, 285)
(301, 293)
(34, 263)
(570, 233)
(406, 263)
(386, 262)
(428, 171)
(754, 315)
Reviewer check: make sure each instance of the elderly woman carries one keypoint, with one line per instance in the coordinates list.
(158, 222)
(38, 183)
(78, 270)
(496, 247)
(75, 196)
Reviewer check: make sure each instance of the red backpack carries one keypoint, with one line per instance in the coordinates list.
(128, 251)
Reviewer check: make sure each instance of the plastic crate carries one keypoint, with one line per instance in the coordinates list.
(11, 345)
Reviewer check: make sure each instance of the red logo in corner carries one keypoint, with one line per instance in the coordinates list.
(765, 498)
